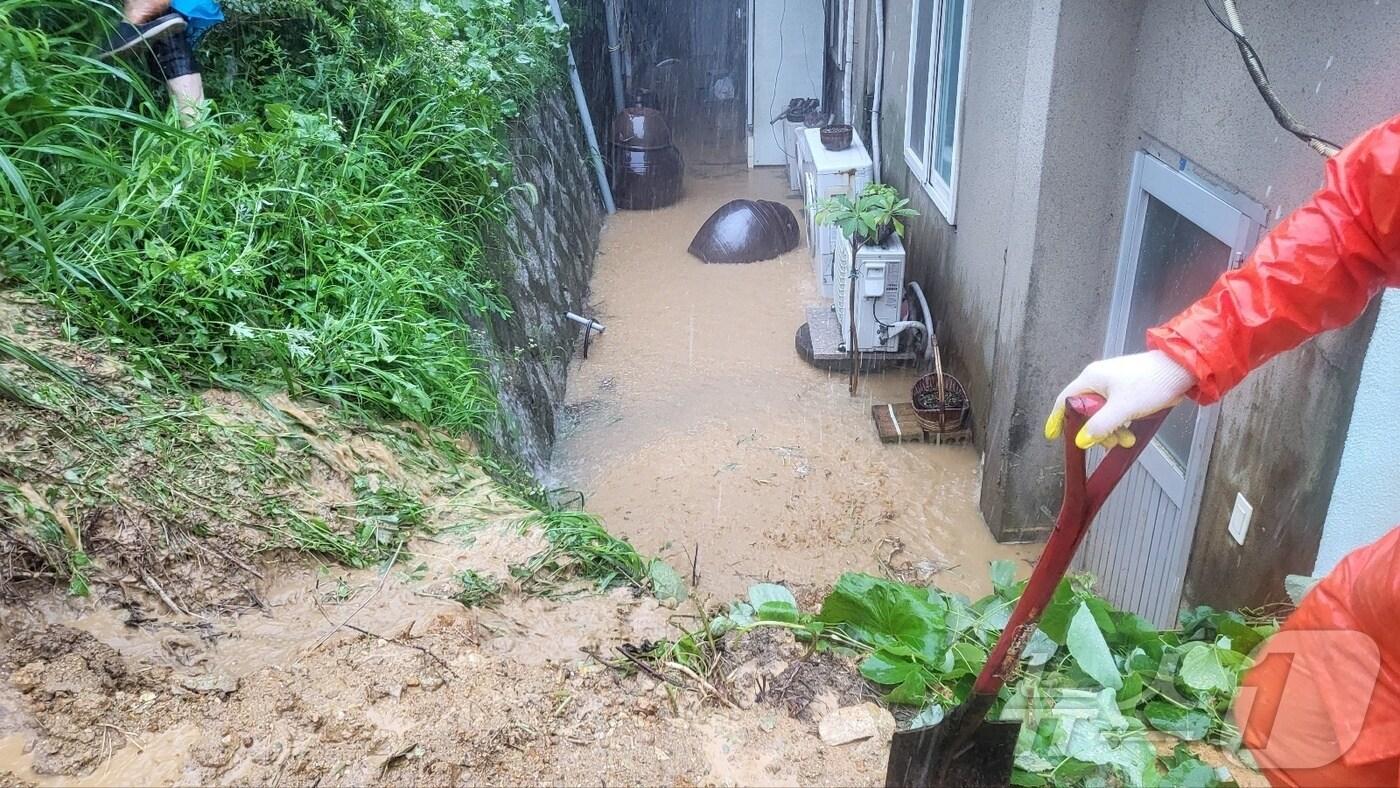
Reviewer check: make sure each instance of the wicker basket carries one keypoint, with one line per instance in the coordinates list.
(949, 413)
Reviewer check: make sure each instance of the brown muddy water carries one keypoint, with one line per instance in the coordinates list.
(694, 426)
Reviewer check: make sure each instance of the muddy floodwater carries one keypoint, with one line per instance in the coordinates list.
(694, 426)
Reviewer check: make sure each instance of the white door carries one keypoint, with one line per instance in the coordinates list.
(785, 62)
(1179, 235)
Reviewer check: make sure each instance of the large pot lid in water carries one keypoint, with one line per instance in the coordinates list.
(746, 231)
(641, 128)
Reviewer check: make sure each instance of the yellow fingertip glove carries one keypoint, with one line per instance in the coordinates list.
(1055, 425)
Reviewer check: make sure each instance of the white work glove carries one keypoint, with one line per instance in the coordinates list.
(1132, 387)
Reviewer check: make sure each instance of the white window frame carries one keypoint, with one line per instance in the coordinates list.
(943, 193)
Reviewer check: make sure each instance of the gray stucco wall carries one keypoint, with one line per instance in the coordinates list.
(1281, 433)
(1060, 93)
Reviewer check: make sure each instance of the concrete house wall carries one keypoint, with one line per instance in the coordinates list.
(1059, 96)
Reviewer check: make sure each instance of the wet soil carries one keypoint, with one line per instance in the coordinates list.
(413, 690)
(693, 426)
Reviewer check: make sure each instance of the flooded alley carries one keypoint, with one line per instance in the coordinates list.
(695, 427)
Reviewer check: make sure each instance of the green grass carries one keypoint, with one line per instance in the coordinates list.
(478, 589)
(579, 546)
(321, 230)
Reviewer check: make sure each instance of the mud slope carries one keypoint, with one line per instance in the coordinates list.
(237, 626)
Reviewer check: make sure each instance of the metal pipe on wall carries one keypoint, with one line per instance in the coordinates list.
(586, 118)
(610, 15)
(879, 90)
(848, 57)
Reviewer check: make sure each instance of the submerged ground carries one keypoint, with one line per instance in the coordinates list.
(694, 425)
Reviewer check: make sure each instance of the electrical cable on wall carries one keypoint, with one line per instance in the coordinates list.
(1255, 66)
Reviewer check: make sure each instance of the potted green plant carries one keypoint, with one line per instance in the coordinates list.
(872, 217)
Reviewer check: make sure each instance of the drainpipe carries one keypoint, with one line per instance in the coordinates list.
(879, 89)
(610, 14)
(587, 119)
(848, 57)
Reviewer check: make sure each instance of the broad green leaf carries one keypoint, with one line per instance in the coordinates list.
(877, 611)
(1004, 579)
(1039, 649)
(761, 593)
(1054, 622)
(666, 584)
(882, 667)
(1201, 669)
(741, 614)
(1187, 771)
(1187, 724)
(932, 714)
(1089, 649)
(910, 692)
(772, 602)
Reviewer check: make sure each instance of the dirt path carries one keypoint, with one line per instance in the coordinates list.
(694, 424)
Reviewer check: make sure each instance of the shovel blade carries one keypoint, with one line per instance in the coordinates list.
(922, 758)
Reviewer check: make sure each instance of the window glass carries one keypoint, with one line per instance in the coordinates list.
(920, 72)
(1177, 263)
(949, 60)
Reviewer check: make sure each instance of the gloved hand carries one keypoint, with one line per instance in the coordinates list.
(1132, 387)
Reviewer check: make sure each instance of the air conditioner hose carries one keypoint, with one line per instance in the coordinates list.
(1261, 81)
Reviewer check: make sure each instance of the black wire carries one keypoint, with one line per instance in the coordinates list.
(1281, 114)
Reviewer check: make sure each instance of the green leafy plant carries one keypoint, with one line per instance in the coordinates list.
(878, 205)
(1092, 680)
(478, 589)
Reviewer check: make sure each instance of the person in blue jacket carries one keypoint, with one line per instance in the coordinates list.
(167, 31)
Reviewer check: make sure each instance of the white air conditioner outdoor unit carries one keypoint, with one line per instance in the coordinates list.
(879, 283)
(826, 174)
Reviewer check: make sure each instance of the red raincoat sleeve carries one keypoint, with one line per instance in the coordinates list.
(1315, 271)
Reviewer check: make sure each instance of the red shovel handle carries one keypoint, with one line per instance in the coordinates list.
(1083, 498)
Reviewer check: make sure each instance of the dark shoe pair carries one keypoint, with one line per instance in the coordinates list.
(130, 36)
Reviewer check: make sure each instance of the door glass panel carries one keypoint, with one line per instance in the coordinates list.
(1177, 263)
(949, 58)
(919, 77)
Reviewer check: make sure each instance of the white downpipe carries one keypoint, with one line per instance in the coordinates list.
(610, 14)
(847, 67)
(587, 119)
(879, 89)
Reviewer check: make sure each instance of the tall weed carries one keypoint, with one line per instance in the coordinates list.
(320, 230)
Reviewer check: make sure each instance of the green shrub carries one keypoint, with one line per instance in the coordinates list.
(320, 229)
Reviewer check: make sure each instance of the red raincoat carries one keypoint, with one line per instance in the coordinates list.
(1333, 685)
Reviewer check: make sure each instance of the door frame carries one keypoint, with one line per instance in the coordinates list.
(749, 69)
(1235, 221)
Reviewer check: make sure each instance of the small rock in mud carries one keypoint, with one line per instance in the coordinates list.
(28, 677)
(210, 684)
(854, 723)
(213, 753)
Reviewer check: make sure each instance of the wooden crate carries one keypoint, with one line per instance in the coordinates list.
(897, 423)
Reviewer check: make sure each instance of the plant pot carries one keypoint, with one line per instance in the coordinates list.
(883, 231)
(836, 137)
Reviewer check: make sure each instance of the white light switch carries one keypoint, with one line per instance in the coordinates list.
(1240, 517)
